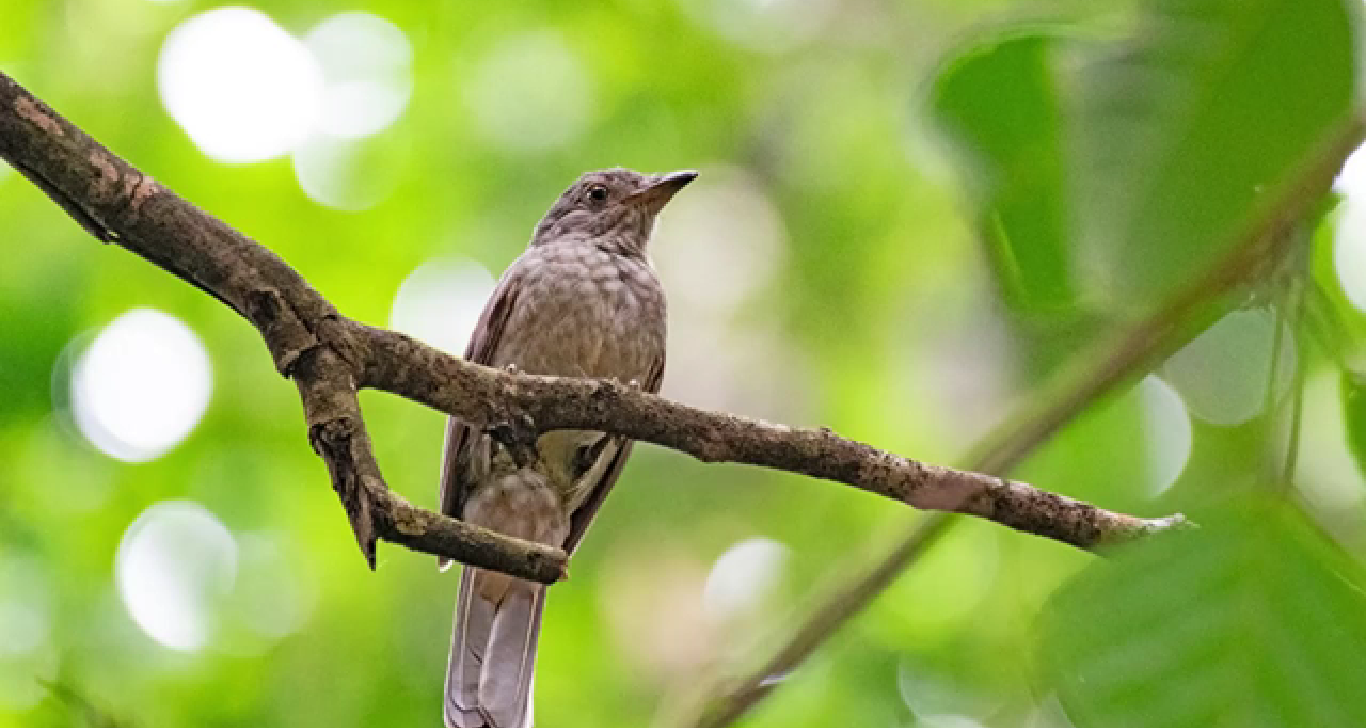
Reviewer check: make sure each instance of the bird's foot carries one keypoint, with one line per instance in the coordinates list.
(518, 438)
(516, 434)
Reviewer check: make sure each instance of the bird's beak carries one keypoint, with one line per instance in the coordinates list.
(662, 189)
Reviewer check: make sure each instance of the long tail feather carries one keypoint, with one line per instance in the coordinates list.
(493, 653)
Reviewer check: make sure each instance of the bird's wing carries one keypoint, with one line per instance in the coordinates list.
(580, 518)
(461, 439)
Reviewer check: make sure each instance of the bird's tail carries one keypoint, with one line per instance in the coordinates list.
(493, 651)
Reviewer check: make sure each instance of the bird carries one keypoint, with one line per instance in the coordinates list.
(582, 300)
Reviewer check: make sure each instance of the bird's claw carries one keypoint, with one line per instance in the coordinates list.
(517, 436)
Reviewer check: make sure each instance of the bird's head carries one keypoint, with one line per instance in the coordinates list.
(618, 205)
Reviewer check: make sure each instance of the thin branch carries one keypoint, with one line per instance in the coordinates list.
(532, 404)
(1267, 238)
(330, 357)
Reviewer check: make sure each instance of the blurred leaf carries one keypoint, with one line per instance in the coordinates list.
(998, 101)
(1249, 621)
(1195, 126)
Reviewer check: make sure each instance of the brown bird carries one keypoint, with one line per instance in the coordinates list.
(582, 301)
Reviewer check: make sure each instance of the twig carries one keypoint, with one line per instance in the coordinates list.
(329, 357)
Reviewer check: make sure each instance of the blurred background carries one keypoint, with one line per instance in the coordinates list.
(851, 256)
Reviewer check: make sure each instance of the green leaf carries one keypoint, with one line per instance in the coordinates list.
(997, 101)
(1192, 129)
(1352, 389)
(1250, 621)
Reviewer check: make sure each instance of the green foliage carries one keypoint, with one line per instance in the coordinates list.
(1254, 619)
(1194, 128)
(1000, 104)
(1170, 146)
(835, 276)
(1353, 392)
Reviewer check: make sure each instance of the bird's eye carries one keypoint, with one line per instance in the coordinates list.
(597, 193)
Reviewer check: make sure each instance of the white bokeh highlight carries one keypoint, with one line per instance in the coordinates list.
(366, 64)
(174, 567)
(440, 301)
(1167, 432)
(335, 172)
(530, 93)
(141, 386)
(936, 699)
(742, 577)
(241, 87)
(1349, 244)
(1223, 374)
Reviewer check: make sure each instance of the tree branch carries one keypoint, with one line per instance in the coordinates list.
(308, 340)
(329, 357)
(405, 367)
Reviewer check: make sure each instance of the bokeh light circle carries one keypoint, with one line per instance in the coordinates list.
(345, 174)
(241, 87)
(1349, 243)
(937, 698)
(440, 302)
(742, 576)
(1223, 373)
(141, 386)
(1349, 252)
(367, 78)
(175, 565)
(1167, 432)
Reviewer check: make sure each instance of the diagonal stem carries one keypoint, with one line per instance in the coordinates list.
(1267, 239)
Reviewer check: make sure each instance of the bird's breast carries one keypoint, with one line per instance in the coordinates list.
(585, 312)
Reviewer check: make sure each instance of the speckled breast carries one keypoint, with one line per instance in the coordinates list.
(584, 311)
